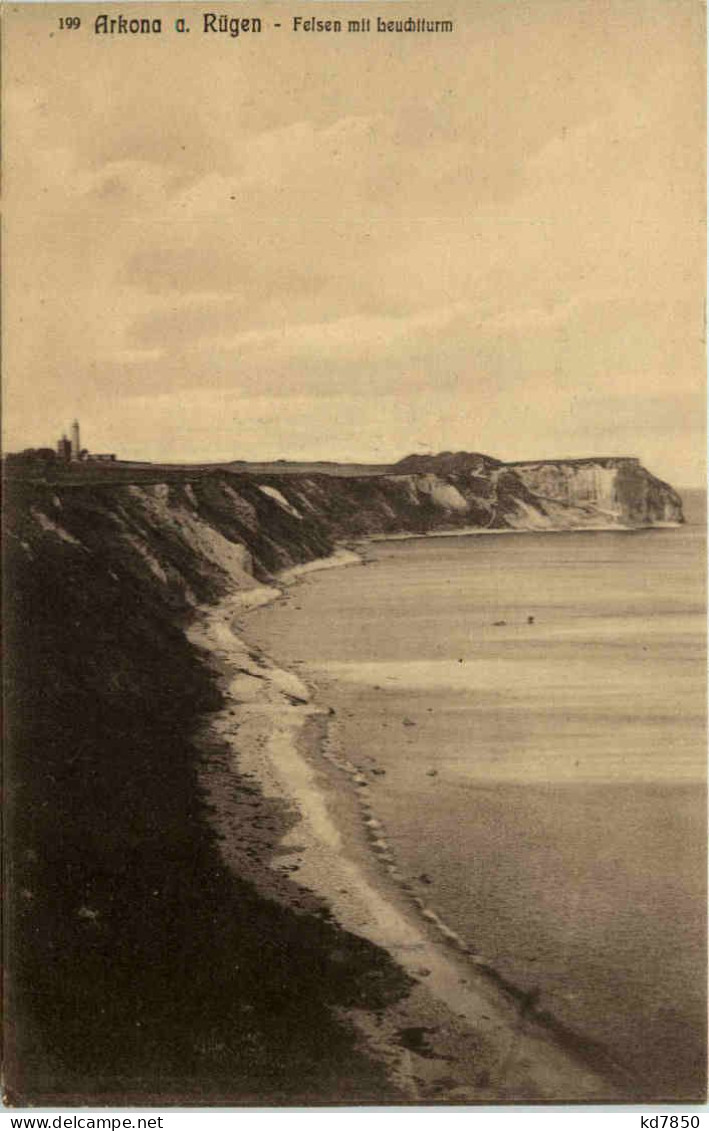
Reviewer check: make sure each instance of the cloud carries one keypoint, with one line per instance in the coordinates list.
(502, 229)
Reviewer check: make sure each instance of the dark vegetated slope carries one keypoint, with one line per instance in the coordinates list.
(137, 964)
(448, 463)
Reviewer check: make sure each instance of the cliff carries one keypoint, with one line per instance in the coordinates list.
(620, 488)
(197, 534)
(138, 965)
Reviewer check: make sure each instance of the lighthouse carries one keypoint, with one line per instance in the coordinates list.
(75, 441)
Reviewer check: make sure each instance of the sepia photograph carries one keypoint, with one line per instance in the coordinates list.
(354, 552)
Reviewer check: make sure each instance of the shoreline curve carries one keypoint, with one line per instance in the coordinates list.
(336, 851)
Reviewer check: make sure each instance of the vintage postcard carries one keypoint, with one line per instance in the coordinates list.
(354, 553)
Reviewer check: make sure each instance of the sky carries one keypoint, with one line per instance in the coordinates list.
(320, 246)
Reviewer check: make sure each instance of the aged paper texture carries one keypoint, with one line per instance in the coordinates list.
(414, 290)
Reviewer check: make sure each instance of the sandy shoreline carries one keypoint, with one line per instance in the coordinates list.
(480, 532)
(457, 1037)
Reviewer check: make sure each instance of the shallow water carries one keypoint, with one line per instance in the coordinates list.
(543, 782)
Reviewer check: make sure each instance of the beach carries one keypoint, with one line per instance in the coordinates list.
(545, 869)
(457, 1037)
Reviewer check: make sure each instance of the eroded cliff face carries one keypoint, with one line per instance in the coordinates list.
(200, 536)
(139, 968)
(620, 489)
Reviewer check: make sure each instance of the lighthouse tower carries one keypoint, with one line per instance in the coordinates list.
(75, 441)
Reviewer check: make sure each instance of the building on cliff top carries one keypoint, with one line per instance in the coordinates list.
(64, 449)
(70, 450)
(75, 441)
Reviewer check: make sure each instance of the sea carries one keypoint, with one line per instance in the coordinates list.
(531, 712)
